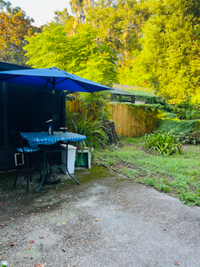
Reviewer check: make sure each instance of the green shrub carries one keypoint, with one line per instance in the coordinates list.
(162, 143)
(186, 131)
(79, 122)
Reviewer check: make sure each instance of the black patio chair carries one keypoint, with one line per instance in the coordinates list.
(24, 151)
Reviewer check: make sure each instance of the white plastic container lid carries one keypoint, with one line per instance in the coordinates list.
(70, 147)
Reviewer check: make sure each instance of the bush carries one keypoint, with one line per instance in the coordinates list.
(186, 131)
(162, 143)
(79, 122)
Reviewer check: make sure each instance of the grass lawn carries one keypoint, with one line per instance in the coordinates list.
(176, 175)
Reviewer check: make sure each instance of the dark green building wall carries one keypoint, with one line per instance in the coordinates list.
(22, 108)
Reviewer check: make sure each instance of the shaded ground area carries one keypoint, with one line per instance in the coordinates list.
(108, 220)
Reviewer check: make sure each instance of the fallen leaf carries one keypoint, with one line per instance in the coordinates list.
(48, 208)
(41, 237)
(25, 256)
(64, 249)
(37, 265)
(17, 228)
(45, 209)
(63, 223)
(60, 213)
(1, 258)
(43, 264)
(104, 238)
(1, 224)
(3, 234)
(1, 204)
(30, 248)
(176, 263)
(13, 244)
(31, 242)
(97, 220)
(41, 243)
(61, 196)
(86, 241)
(21, 214)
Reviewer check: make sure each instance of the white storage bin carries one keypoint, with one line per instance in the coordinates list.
(70, 158)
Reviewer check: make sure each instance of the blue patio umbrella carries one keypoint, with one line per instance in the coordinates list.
(52, 79)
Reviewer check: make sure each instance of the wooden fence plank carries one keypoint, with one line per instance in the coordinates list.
(126, 122)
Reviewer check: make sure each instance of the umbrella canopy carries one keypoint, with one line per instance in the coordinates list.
(52, 78)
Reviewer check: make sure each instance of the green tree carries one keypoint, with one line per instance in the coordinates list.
(63, 18)
(80, 54)
(48, 48)
(80, 8)
(170, 49)
(119, 23)
(14, 27)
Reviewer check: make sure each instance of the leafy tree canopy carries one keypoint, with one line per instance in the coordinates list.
(14, 27)
(170, 49)
(80, 54)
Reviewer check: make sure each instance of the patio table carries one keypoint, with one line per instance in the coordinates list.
(43, 138)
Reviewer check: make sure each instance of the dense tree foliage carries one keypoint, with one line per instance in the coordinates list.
(14, 27)
(170, 49)
(137, 42)
(80, 54)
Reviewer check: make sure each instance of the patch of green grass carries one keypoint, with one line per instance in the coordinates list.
(177, 175)
(133, 141)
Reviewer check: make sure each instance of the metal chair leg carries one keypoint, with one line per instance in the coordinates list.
(16, 177)
(27, 158)
(44, 171)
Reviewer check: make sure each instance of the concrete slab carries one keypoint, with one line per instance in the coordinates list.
(108, 221)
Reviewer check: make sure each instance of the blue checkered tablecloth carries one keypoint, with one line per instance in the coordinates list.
(43, 138)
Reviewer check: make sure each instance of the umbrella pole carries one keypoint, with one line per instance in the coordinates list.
(53, 92)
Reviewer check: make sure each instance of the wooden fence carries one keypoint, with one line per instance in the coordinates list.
(129, 122)
(132, 122)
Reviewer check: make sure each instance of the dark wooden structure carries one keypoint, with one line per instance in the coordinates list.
(22, 108)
